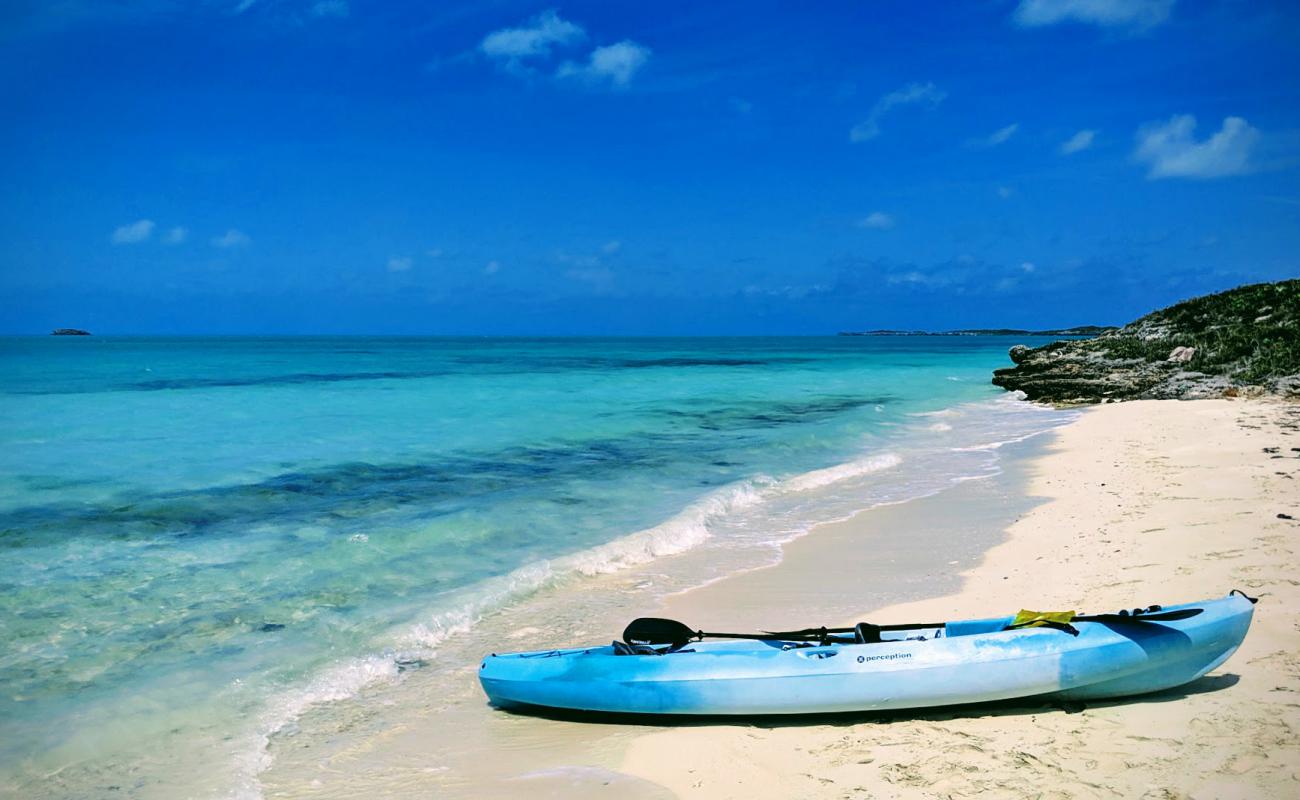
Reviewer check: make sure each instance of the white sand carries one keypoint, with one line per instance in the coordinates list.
(1145, 502)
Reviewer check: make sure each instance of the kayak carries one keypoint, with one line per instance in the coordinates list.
(878, 667)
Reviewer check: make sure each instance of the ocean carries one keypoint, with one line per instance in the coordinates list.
(206, 539)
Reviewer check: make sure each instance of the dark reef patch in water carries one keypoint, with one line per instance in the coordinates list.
(356, 491)
(279, 380)
(349, 491)
(771, 415)
(505, 364)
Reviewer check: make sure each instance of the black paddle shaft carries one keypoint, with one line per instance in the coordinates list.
(656, 630)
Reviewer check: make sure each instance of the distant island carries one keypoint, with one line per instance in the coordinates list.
(1245, 341)
(1081, 330)
(69, 332)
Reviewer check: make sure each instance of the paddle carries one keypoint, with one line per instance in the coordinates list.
(1161, 616)
(656, 630)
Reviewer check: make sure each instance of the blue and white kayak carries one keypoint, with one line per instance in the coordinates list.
(966, 661)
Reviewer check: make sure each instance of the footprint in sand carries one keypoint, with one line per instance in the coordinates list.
(1242, 763)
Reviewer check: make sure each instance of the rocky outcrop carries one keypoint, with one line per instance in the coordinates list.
(1078, 330)
(69, 332)
(1239, 342)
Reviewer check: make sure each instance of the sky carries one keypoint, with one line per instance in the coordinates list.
(592, 168)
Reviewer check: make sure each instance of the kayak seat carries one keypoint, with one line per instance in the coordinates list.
(624, 649)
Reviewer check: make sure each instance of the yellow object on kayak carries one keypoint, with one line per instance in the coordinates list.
(1035, 619)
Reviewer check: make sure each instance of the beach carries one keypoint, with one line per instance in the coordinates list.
(1134, 503)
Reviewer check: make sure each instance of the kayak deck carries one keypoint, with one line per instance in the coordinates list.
(963, 661)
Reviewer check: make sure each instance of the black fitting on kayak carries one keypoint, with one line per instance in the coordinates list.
(1253, 600)
(1063, 627)
(1137, 612)
(866, 633)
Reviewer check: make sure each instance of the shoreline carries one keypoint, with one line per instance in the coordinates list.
(1106, 488)
(433, 731)
(836, 569)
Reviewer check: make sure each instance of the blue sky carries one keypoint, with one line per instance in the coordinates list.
(357, 166)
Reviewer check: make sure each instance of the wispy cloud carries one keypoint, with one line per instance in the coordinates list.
(877, 221)
(615, 63)
(599, 278)
(231, 239)
(961, 275)
(30, 16)
(1170, 149)
(740, 105)
(136, 232)
(511, 47)
(1077, 143)
(330, 8)
(925, 95)
(1000, 136)
(399, 264)
(492, 268)
(1131, 14)
(590, 260)
(176, 235)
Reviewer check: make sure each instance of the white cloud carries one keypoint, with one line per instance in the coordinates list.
(136, 232)
(616, 63)
(1028, 266)
(1170, 150)
(1134, 14)
(230, 239)
(1078, 142)
(923, 94)
(330, 8)
(176, 235)
(600, 279)
(434, 252)
(877, 220)
(399, 264)
(244, 5)
(998, 136)
(1005, 192)
(492, 268)
(510, 46)
(917, 277)
(611, 247)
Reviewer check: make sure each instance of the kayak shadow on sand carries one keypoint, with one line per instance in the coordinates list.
(1019, 706)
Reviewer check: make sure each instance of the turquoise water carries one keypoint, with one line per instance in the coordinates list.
(195, 529)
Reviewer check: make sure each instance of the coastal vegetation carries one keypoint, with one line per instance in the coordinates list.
(1078, 330)
(1241, 341)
